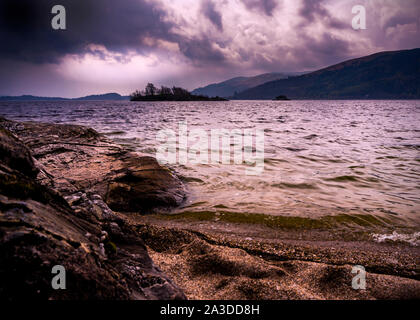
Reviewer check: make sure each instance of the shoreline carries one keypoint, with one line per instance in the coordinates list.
(103, 184)
(277, 268)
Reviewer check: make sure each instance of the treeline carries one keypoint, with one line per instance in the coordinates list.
(152, 93)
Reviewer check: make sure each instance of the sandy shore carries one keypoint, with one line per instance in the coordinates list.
(211, 261)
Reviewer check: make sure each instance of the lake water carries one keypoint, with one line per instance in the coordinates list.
(320, 157)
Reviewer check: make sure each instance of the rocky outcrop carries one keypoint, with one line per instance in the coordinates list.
(75, 158)
(60, 218)
(144, 186)
(15, 154)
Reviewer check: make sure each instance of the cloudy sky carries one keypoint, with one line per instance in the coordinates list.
(118, 46)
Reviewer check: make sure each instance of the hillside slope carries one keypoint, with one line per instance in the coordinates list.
(229, 87)
(384, 75)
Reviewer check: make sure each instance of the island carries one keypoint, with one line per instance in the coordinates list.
(281, 98)
(152, 93)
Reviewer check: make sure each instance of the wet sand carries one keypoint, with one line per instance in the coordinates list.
(210, 263)
(213, 260)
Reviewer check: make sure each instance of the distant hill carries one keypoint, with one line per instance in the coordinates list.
(235, 85)
(106, 96)
(384, 75)
(30, 98)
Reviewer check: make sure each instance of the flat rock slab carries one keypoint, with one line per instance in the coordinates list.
(75, 158)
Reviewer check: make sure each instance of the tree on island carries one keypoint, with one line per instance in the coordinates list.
(165, 90)
(152, 93)
(151, 90)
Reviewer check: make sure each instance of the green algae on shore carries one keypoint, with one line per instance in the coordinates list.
(288, 222)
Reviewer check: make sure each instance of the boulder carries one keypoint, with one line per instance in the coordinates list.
(103, 254)
(15, 154)
(144, 186)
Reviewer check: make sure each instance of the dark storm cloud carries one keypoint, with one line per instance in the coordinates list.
(27, 35)
(312, 10)
(255, 36)
(402, 19)
(264, 6)
(322, 51)
(201, 51)
(208, 9)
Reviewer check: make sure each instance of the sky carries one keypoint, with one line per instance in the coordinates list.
(119, 46)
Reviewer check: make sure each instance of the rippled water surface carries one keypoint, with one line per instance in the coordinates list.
(321, 157)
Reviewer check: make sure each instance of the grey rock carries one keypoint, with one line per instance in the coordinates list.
(39, 228)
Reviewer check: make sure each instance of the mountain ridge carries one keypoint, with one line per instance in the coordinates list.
(383, 75)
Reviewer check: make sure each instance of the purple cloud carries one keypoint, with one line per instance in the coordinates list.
(208, 9)
(180, 41)
(265, 6)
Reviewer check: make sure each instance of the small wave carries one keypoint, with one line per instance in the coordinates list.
(191, 179)
(115, 133)
(413, 239)
(310, 137)
(220, 206)
(286, 185)
(273, 161)
(357, 167)
(412, 146)
(294, 149)
(343, 179)
(196, 204)
(308, 158)
(335, 160)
